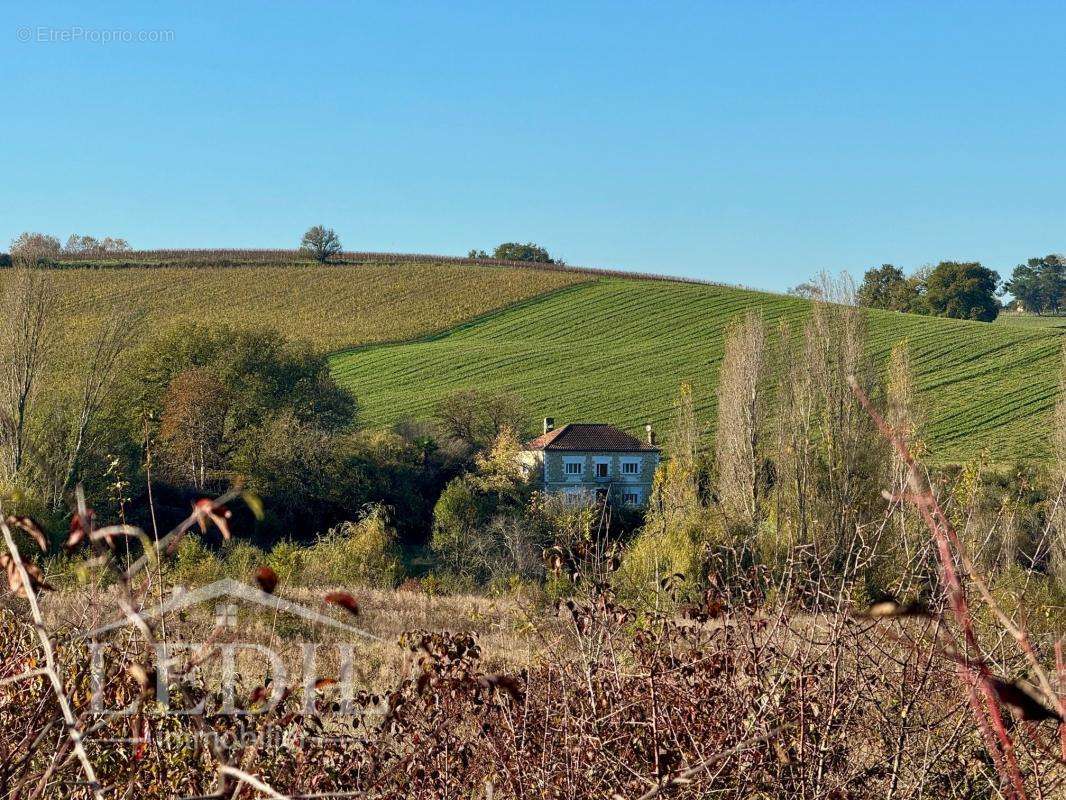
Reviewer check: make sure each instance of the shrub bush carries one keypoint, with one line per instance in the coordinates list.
(362, 552)
(194, 564)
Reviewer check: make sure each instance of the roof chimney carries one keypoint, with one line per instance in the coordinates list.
(650, 434)
(549, 424)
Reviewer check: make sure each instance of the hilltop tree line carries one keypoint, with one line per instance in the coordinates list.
(318, 242)
(43, 247)
(962, 290)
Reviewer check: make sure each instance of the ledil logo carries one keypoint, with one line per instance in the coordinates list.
(257, 649)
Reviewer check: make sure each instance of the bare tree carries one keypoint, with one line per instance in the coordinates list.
(903, 413)
(33, 248)
(29, 302)
(795, 419)
(99, 367)
(846, 446)
(740, 418)
(678, 486)
(81, 244)
(321, 242)
(830, 464)
(477, 418)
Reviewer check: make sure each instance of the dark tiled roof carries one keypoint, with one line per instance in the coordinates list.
(590, 436)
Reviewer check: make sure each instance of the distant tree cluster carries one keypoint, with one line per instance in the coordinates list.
(94, 246)
(962, 290)
(514, 251)
(1040, 284)
(34, 247)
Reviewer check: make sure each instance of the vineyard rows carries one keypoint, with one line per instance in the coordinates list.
(615, 351)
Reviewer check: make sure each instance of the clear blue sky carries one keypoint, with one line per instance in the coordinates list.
(752, 143)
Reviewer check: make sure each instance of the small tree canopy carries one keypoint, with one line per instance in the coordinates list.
(1040, 283)
(513, 251)
(887, 287)
(321, 243)
(807, 290)
(963, 290)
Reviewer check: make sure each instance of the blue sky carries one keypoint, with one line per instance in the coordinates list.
(752, 143)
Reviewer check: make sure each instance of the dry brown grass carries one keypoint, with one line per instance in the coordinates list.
(502, 625)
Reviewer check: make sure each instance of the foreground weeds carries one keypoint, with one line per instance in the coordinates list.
(733, 701)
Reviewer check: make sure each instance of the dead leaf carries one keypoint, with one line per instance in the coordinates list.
(1022, 701)
(345, 601)
(31, 527)
(267, 579)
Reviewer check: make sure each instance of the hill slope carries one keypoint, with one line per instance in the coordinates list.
(332, 307)
(616, 350)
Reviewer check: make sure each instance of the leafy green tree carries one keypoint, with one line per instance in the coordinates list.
(963, 290)
(1040, 284)
(480, 525)
(513, 251)
(457, 519)
(224, 404)
(887, 287)
(321, 242)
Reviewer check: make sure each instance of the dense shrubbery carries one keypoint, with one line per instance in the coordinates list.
(363, 552)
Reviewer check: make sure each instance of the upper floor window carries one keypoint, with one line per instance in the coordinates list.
(572, 467)
(601, 469)
(630, 467)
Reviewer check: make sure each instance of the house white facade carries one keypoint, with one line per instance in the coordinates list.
(586, 462)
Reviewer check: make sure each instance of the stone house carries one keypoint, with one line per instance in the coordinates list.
(591, 461)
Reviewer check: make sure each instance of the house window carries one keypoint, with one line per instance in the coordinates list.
(631, 497)
(572, 467)
(630, 467)
(601, 469)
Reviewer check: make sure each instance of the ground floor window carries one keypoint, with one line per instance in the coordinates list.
(631, 497)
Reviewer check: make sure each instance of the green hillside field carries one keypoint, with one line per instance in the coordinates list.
(616, 350)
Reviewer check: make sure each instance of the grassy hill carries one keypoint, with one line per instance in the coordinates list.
(1031, 320)
(616, 350)
(578, 344)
